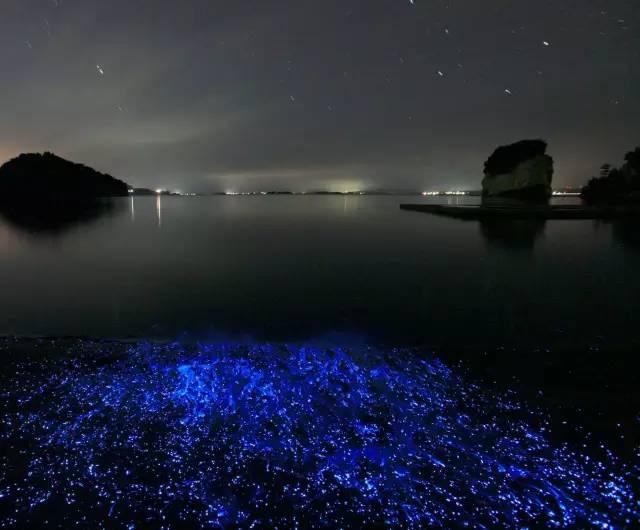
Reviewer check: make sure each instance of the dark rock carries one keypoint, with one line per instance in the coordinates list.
(522, 169)
(507, 157)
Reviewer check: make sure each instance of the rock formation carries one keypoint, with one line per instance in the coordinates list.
(522, 170)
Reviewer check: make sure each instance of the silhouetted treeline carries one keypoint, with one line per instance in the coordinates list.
(616, 184)
(47, 176)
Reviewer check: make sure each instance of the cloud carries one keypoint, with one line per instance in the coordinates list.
(199, 93)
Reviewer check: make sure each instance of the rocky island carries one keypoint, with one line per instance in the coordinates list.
(524, 171)
(521, 170)
(47, 177)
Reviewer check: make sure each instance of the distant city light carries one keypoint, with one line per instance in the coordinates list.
(438, 193)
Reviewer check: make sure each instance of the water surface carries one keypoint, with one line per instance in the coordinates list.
(295, 267)
(531, 418)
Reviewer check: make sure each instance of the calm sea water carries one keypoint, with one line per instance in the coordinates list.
(296, 267)
(530, 421)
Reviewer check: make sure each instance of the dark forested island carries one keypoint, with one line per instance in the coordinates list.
(48, 177)
(46, 194)
(615, 185)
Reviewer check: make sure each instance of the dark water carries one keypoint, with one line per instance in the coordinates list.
(531, 420)
(288, 268)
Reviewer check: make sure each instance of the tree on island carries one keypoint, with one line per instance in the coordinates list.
(605, 169)
(616, 185)
(507, 157)
(49, 178)
(632, 159)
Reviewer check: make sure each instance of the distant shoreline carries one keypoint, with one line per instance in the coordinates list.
(557, 194)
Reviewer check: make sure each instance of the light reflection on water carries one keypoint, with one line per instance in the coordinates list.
(159, 210)
(287, 267)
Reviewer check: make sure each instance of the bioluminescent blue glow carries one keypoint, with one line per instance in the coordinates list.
(265, 436)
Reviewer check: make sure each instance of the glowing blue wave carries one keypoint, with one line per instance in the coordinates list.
(264, 436)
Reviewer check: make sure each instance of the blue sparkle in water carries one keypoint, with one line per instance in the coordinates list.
(263, 436)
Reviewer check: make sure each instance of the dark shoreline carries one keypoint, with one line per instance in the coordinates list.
(544, 212)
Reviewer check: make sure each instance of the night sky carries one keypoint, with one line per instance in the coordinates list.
(208, 95)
